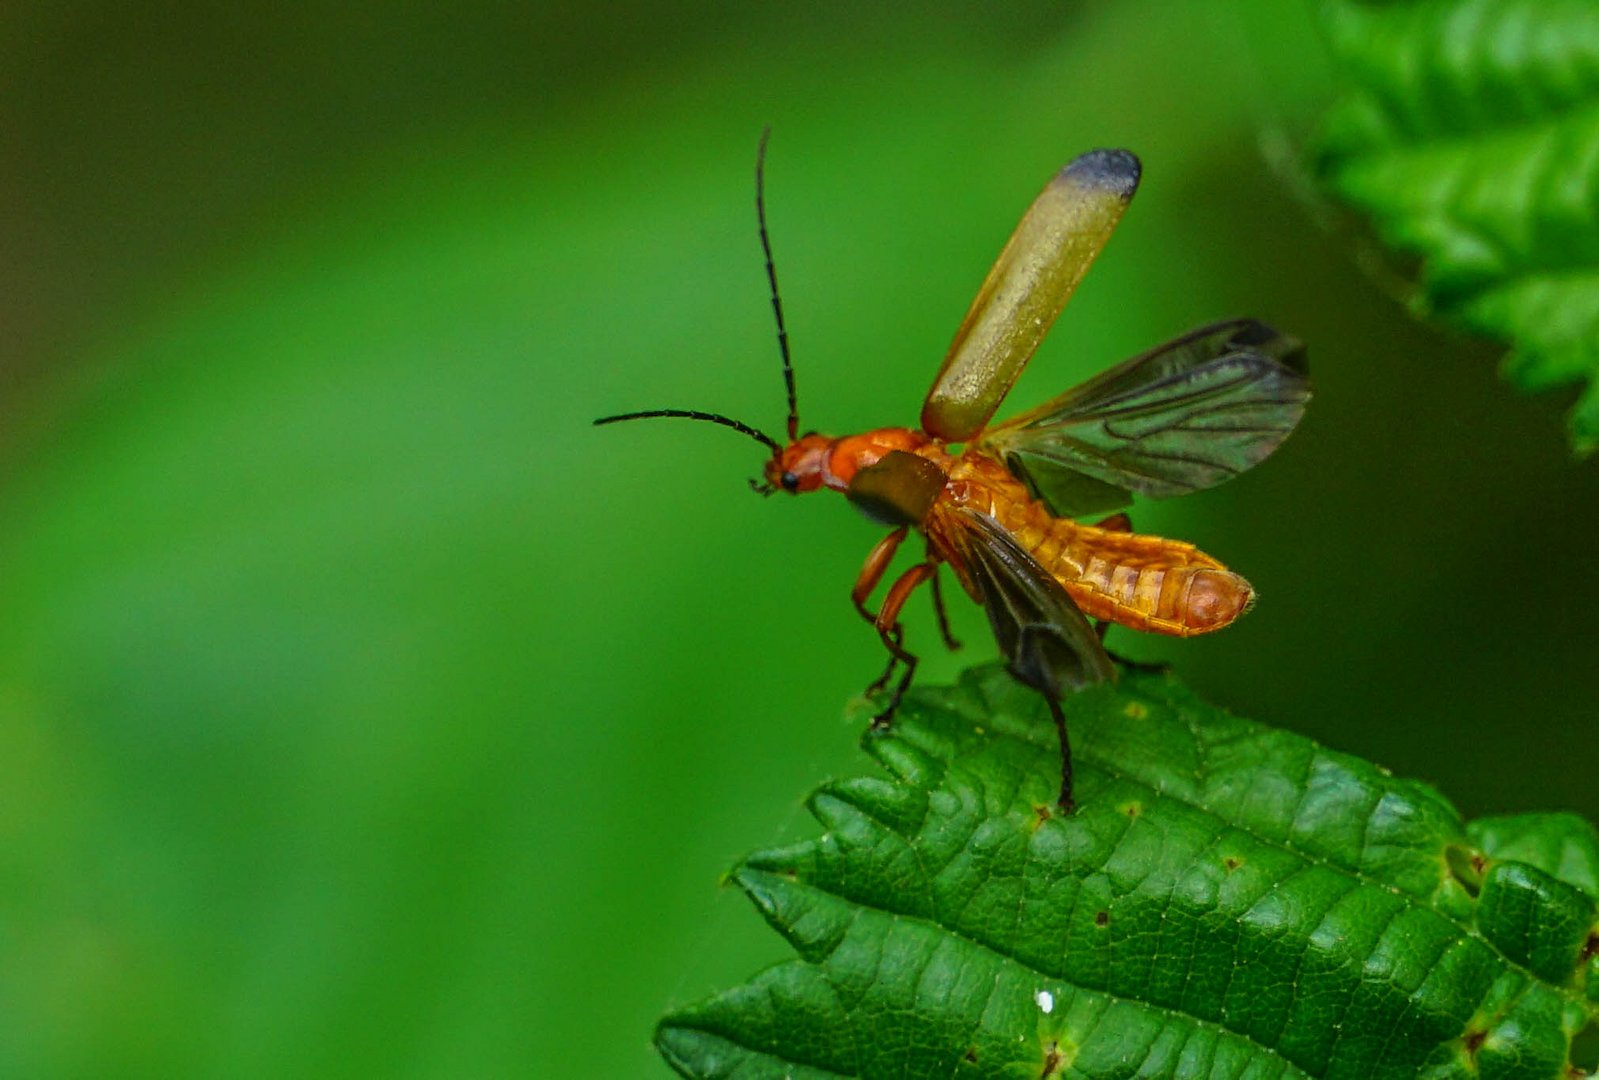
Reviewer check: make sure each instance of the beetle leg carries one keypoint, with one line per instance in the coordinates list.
(877, 561)
(938, 604)
(1155, 667)
(872, 572)
(888, 629)
(1066, 803)
(893, 661)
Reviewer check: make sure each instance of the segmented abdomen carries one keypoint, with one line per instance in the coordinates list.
(1145, 582)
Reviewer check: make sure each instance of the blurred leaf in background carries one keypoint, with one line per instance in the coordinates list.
(1469, 132)
(364, 712)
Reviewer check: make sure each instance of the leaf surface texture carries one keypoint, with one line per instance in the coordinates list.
(1230, 901)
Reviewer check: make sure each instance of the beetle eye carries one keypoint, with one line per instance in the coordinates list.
(790, 481)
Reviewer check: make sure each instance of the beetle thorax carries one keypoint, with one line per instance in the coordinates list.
(813, 461)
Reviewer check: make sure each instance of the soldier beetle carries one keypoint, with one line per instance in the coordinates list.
(999, 510)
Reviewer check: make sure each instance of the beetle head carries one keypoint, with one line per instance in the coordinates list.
(800, 466)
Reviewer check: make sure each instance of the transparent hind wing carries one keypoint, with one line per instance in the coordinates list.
(1183, 417)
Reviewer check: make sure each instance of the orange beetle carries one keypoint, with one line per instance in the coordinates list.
(999, 510)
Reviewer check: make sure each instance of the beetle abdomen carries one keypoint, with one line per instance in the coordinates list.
(1144, 582)
(1154, 595)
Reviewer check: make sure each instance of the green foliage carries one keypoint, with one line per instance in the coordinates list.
(1470, 134)
(1230, 901)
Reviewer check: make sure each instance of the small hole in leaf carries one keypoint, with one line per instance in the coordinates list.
(1135, 710)
(1232, 862)
(1584, 1055)
(1044, 813)
(1590, 948)
(1133, 809)
(1053, 1059)
(1472, 1041)
(970, 1055)
(1466, 866)
(1101, 918)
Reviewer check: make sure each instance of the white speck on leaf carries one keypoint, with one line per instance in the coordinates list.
(1046, 1001)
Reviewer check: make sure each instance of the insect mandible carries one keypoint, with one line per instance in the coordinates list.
(999, 511)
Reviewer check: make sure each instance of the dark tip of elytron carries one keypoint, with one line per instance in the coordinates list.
(1116, 171)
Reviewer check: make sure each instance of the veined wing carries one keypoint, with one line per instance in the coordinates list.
(1046, 640)
(1036, 273)
(1180, 418)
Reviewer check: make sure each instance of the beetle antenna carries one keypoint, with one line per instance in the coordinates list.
(692, 414)
(771, 276)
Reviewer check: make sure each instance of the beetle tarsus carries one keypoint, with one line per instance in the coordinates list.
(885, 719)
(893, 640)
(877, 684)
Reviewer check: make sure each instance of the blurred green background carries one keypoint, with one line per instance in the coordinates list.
(364, 711)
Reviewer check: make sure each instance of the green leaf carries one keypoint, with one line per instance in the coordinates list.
(1229, 901)
(1469, 133)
